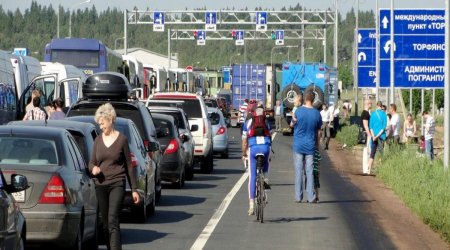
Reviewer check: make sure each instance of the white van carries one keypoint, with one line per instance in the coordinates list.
(8, 92)
(136, 71)
(57, 81)
(25, 69)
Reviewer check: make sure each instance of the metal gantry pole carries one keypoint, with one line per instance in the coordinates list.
(355, 59)
(169, 56)
(377, 52)
(447, 88)
(410, 100)
(336, 32)
(302, 42)
(125, 31)
(392, 94)
(325, 46)
(57, 16)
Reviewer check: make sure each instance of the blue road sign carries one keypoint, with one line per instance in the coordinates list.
(20, 51)
(211, 18)
(415, 73)
(367, 38)
(158, 17)
(418, 45)
(279, 37)
(240, 37)
(261, 18)
(366, 58)
(413, 21)
(366, 77)
(413, 47)
(201, 35)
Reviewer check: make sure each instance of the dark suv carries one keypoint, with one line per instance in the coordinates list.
(114, 88)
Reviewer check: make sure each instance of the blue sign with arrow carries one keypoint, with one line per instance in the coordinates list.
(279, 37)
(366, 58)
(419, 48)
(261, 21)
(210, 21)
(158, 21)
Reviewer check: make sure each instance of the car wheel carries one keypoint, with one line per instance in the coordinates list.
(158, 190)
(152, 206)
(211, 161)
(225, 154)
(141, 212)
(77, 245)
(92, 243)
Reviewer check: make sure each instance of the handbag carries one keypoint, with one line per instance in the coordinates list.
(362, 136)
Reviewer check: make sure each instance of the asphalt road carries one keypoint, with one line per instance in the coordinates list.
(197, 216)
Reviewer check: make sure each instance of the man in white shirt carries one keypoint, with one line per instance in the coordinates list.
(394, 123)
(429, 134)
(278, 116)
(326, 118)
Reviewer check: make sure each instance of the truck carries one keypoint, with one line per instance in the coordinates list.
(248, 82)
(301, 77)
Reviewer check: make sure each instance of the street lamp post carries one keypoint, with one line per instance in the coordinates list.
(231, 57)
(115, 42)
(70, 15)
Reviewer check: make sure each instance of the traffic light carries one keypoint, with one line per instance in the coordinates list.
(273, 35)
(233, 34)
(195, 34)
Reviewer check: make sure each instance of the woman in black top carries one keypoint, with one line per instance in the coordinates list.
(110, 165)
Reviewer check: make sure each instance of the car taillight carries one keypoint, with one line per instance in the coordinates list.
(54, 192)
(172, 147)
(204, 128)
(134, 161)
(221, 131)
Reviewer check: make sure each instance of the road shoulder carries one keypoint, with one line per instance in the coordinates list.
(406, 230)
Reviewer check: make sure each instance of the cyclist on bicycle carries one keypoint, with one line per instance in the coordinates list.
(256, 138)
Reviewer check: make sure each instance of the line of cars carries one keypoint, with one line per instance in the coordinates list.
(59, 204)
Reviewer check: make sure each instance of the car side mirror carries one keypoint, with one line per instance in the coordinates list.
(151, 146)
(184, 138)
(18, 183)
(194, 128)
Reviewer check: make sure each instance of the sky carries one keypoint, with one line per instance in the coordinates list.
(343, 5)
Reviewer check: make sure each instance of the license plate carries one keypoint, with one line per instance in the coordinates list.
(19, 196)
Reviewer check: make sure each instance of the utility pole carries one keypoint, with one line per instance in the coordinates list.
(377, 52)
(447, 88)
(336, 32)
(355, 59)
(391, 92)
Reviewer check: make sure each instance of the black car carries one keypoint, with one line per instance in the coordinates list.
(172, 164)
(114, 88)
(182, 122)
(12, 224)
(83, 133)
(145, 167)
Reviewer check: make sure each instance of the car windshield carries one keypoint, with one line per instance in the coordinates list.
(214, 118)
(192, 108)
(177, 116)
(25, 150)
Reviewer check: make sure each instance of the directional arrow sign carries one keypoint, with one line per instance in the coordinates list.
(210, 21)
(367, 38)
(415, 47)
(158, 21)
(279, 37)
(362, 56)
(388, 45)
(385, 22)
(359, 38)
(413, 21)
(239, 37)
(261, 21)
(201, 37)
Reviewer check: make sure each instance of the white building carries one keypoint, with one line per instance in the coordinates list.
(150, 57)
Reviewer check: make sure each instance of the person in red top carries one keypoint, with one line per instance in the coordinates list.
(110, 164)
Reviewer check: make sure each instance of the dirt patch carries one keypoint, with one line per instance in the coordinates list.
(406, 230)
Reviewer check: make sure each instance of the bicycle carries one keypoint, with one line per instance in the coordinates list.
(261, 195)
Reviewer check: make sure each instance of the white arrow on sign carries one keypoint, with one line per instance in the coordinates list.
(388, 45)
(375, 80)
(359, 38)
(385, 22)
(362, 56)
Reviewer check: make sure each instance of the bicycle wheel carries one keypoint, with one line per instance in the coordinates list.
(257, 203)
(261, 200)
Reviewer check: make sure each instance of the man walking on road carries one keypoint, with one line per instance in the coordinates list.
(307, 123)
(429, 134)
(278, 116)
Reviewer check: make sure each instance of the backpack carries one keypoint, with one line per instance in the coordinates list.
(259, 126)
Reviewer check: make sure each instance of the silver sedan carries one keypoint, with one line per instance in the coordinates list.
(219, 131)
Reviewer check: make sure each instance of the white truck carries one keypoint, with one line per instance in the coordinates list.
(57, 81)
(8, 94)
(25, 69)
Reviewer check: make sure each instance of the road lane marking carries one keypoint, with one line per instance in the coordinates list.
(200, 242)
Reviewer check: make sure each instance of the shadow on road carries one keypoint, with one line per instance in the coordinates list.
(193, 185)
(281, 184)
(208, 178)
(135, 236)
(164, 217)
(228, 171)
(346, 201)
(287, 220)
(180, 200)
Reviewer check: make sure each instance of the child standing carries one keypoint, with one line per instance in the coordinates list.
(316, 160)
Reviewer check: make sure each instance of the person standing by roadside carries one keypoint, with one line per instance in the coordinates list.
(36, 113)
(278, 116)
(325, 138)
(243, 113)
(409, 128)
(377, 126)
(34, 93)
(110, 165)
(58, 114)
(394, 124)
(365, 118)
(307, 123)
(429, 134)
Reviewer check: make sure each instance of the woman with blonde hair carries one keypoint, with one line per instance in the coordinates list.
(409, 128)
(110, 164)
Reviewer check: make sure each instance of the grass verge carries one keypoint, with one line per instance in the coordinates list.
(423, 186)
(348, 134)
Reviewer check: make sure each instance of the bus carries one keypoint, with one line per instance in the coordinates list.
(89, 55)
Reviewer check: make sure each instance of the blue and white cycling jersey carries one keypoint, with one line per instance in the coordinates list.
(256, 140)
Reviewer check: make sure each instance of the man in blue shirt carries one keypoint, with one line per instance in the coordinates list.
(307, 124)
(377, 127)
